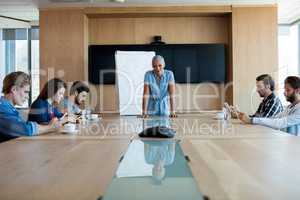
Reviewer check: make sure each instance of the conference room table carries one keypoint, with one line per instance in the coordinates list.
(228, 159)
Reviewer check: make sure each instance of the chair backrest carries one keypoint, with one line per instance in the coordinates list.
(4, 138)
(293, 130)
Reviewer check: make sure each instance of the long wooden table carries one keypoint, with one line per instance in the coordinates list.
(187, 126)
(238, 162)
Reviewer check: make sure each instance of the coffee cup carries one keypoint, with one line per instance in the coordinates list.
(220, 115)
(92, 116)
(69, 127)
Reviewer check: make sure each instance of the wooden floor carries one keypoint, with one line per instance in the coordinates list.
(228, 159)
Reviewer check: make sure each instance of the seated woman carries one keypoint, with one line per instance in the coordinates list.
(159, 87)
(44, 108)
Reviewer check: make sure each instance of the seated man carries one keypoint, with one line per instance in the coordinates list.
(78, 95)
(289, 118)
(271, 104)
(16, 87)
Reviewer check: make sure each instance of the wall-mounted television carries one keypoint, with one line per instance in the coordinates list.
(191, 63)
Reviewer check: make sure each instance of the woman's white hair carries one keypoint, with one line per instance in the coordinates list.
(160, 59)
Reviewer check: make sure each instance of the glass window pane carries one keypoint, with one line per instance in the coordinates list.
(21, 56)
(288, 55)
(35, 33)
(14, 52)
(35, 69)
(15, 34)
(2, 60)
(14, 55)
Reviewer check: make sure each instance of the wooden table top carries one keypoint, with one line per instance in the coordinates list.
(235, 169)
(58, 169)
(248, 162)
(192, 126)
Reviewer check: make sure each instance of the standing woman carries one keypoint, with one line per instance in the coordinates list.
(44, 108)
(159, 87)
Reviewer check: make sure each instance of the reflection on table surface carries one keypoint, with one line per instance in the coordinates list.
(153, 122)
(153, 169)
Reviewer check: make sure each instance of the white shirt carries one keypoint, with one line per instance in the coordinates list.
(288, 120)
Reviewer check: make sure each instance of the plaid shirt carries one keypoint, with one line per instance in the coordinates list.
(269, 107)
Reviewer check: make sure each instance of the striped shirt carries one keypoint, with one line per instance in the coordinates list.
(269, 107)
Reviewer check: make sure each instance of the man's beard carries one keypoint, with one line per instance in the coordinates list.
(261, 94)
(291, 98)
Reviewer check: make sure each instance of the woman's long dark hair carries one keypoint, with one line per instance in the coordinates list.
(51, 88)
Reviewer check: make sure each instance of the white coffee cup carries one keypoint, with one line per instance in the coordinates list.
(86, 112)
(220, 115)
(92, 116)
(69, 127)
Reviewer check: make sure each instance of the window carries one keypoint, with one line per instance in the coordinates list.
(35, 62)
(288, 55)
(19, 51)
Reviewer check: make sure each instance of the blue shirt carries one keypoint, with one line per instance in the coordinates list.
(159, 151)
(42, 112)
(158, 103)
(152, 122)
(71, 107)
(11, 123)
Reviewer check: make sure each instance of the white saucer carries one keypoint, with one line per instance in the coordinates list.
(70, 132)
(218, 118)
(94, 119)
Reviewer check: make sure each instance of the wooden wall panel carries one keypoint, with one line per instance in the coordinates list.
(62, 46)
(85, 47)
(181, 10)
(111, 31)
(251, 32)
(254, 39)
(173, 30)
(198, 97)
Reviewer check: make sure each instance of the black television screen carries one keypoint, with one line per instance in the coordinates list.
(191, 63)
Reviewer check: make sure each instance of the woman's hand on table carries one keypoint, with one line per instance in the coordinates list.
(68, 118)
(55, 123)
(145, 116)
